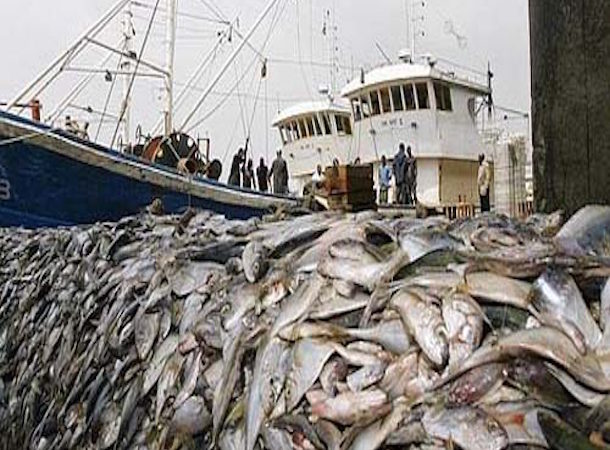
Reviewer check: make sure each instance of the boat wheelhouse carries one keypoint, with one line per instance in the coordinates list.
(431, 110)
(312, 134)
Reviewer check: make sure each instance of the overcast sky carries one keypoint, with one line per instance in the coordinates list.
(468, 32)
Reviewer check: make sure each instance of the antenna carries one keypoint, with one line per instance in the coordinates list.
(330, 32)
(412, 21)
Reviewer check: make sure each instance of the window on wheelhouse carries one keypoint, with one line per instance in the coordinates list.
(375, 104)
(409, 97)
(285, 135)
(326, 123)
(366, 106)
(347, 125)
(339, 124)
(423, 99)
(442, 93)
(302, 129)
(316, 122)
(356, 109)
(310, 130)
(295, 131)
(386, 103)
(397, 98)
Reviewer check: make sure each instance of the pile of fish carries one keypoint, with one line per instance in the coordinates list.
(323, 331)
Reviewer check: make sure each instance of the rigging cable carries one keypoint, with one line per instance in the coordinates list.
(114, 79)
(135, 72)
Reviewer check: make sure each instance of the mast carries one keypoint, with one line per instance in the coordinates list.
(411, 28)
(169, 66)
(128, 35)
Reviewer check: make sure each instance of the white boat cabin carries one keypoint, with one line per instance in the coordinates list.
(431, 111)
(314, 133)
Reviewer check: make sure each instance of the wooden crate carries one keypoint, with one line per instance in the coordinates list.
(350, 188)
(347, 179)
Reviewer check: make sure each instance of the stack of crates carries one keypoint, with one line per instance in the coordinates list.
(350, 188)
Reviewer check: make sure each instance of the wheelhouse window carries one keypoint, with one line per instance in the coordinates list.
(347, 125)
(295, 131)
(302, 129)
(366, 107)
(397, 98)
(423, 99)
(317, 126)
(375, 105)
(442, 93)
(285, 133)
(409, 97)
(340, 125)
(326, 123)
(386, 103)
(356, 109)
(310, 130)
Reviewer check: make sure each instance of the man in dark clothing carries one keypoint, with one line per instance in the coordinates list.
(399, 168)
(279, 172)
(262, 173)
(411, 178)
(238, 160)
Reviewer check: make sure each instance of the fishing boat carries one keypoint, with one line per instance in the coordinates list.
(52, 175)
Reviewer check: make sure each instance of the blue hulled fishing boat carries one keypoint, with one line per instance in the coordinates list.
(53, 175)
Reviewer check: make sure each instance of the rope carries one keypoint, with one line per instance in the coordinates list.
(135, 72)
(113, 84)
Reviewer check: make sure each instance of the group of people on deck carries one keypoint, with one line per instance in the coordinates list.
(404, 172)
(242, 174)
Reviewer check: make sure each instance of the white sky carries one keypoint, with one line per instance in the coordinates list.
(33, 32)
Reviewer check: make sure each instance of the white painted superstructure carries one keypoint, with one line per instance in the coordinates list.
(430, 110)
(312, 134)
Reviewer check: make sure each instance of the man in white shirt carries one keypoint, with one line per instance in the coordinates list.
(318, 177)
(483, 182)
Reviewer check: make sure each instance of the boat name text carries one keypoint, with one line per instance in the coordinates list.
(5, 185)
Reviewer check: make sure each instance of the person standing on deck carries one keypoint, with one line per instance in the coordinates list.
(248, 173)
(318, 177)
(400, 166)
(385, 178)
(411, 178)
(484, 181)
(279, 172)
(238, 160)
(262, 173)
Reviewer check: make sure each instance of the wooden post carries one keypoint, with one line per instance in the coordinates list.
(570, 52)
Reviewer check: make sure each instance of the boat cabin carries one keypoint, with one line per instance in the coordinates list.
(314, 133)
(433, 112)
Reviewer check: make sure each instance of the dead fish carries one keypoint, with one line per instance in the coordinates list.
(476, 384)
(494, 288)
(368, 276)
(261, 396)
(424, 321)
(373, 436)
(308, 359)
(351, 407)
(366, 377)
(558, 302)
(587, 232)
(467, 427)
(191, 375)
(298, 304)
(547, 343)
(335, 370)
(162, 354)
(520, 422)
(463, 318)
(193, 276)
(254, 261)
(192, 417)
(167, 381)
(146, 331)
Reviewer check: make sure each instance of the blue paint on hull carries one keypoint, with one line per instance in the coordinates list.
(46, 189)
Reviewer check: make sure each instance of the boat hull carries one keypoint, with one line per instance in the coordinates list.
(49, 179)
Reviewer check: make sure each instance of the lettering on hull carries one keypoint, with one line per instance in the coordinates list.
(5, 185)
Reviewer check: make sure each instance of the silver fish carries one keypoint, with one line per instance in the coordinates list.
(162, 354)
(146, 331)
(254, 261)
(192, 417)
(463, 318)
(308, 359)
(191, 375)
(587, 232)
(167, 381)
(351, 407)
(424, 321)
(468, 427)
(261, 395)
